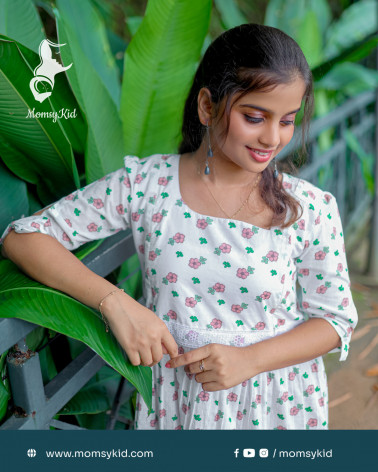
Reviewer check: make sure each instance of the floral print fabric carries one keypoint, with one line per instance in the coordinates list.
(216, 280)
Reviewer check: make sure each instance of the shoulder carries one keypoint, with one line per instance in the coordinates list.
(151, 163)
(306, 192)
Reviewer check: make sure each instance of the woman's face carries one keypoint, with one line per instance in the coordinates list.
(261, 125)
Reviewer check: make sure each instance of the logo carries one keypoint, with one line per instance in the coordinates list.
(264, 453)
(249, 453)
(32, 452)
(46, 71)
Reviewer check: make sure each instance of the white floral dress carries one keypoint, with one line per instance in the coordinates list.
(217, 280)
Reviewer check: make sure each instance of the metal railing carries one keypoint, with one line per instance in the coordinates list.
(337, 169)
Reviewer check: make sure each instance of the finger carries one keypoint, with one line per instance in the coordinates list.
(205, 377)
(165, 351)
(134, 358)
(170, 344)
(157, 353)
(211, 387)
(195, 367)
(146, 357)
(190, 357)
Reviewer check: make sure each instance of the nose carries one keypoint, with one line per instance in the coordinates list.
(270, 135)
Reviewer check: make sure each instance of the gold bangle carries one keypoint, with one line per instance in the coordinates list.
(100, 304)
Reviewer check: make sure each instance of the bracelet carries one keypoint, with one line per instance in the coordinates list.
(100, 304)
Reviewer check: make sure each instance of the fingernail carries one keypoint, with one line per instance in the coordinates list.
(168, 364)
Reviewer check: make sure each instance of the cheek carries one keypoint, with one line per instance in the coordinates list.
(287, 134)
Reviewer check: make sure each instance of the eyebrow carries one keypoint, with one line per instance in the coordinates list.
(268, 111)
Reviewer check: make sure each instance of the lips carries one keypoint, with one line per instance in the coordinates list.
(259, 157)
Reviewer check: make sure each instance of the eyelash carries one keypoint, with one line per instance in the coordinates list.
(250, 119)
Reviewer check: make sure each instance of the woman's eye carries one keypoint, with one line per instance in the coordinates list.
(252, 119)
(288, 122)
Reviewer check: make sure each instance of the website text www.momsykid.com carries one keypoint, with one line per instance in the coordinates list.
(110, 454)
(65, 113)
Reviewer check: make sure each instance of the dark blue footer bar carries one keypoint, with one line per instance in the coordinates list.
(188, 450)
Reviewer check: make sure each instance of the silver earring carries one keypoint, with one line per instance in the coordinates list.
(209, 151)
(275, 172)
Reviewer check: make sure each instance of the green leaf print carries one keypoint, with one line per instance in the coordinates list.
(317, 389)
(165, 281)
(329, 216)
(299, 239)
(175, 294)
(243, 290)
(221, 302)
(255, 422)
(250, 269)
(77, 212)
(108, 191)
(153, 271)
(197, 417)
(280, 401)
(282, 381)
(258, 299)
(140, 194)
(264, 260)
(325, 422)
(140, 229)
(203, 240)
(336, 253)
(158, 233)
(102, 217)
(249, 250)
(74, 233)
(311, 206)
(194, 318)
(319, 277)
(316, 242)
(174, 418)
(185, 393)
(256, 384)
(198, 298)
(254, 405)
(129, 198)
(278, 232)
(255, 229)
(308, 409)
(341, 288)
(231, 225)
(244, 306)
(305, 375)
(291, 398)
(196, 280)
(273, 272)
(187, 215)
(226, 265)
(216, 402)
(239, 323)
(165, 194)
(281, 417)
(179, 254)
(178, 203)
(151, 200)
(90, 200)
(202, 260)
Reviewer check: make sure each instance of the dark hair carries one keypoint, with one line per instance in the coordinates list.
(244, 59)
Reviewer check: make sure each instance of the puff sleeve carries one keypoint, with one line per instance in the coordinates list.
(322, 270)
(95, 211)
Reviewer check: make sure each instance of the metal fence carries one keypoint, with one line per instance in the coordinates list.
(338, 169)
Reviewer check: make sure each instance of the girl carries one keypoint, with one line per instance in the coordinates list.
(223, 239)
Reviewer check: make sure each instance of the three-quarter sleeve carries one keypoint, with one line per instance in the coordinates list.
(95, 211)
(322, 270)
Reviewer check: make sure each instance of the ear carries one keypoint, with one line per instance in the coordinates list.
(205, 106)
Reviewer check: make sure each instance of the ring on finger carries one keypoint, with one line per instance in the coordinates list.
(201, 366)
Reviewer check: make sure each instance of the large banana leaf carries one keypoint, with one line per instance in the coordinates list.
(159, 67)
(104, 147)
(4, 387)
(42, 145)
(91, 36)
(22, 297)
(20, 21)
(230, 13)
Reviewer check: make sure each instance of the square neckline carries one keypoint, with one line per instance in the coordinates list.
(217, 218)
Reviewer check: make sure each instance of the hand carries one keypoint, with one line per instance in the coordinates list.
(224, 366)
(143, 335)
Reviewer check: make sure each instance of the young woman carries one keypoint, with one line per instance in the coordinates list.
(223, 239)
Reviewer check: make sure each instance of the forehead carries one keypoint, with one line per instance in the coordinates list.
(281, 99)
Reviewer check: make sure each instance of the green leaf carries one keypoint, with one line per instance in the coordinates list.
(366, 160)
(310, 39)
(87, 401)
(230, 13)
(21, 297)
(104, 147)
(159, 66)
(42, 145)
(19, 20)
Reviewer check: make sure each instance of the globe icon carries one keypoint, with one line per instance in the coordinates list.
(32, 452)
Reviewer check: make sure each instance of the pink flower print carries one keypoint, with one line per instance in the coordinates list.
(272, 311)
(194, 263)
(258, 398)
(312, 422)
(216, 324)
(238, 340)
(307, 243)
(292, 375)
(311, 194)
(294, 411)
(171, 277)
(268, 379)
(350, 330)
(280, 322)
(70, 197)
(265, 295)
(175, 396)
(217, 417)
(321, 401)
(138, 406)
(120, 209)
(152, 255)
(320, 255)
(190, 302)
(232, 397)
(179, 238)
(239, 415)
(185, 408)
(141, 248)
(260, 325)
(65, 237)
(35, 225)
(334, 231)
(242, 273)
(181, 350)
(68, 222)
(281, 427)
(236, 308)
(310, 389)
(203, 396)
(314, 367)
(190, 376)
(322, 289)
(304, 272)
(153, 423)
(172, 314)
(305, 305)
(272, 256)
(345, 302)
(225, 248)
(219, 287)
(202, 224)
(247, 233)
(329, 315)
(153, 291)
(327, 197)
(157, 217)
(317, 221)
(138, 179)
(286, 185)
(92, 227)
(244, 383)
(301, 224)
(283, 279)
(98, 203)
(162, 413)
(340, 267)
(126, 182)
(163, 181)
(48, 223)
(160, 380)
(285, 396)
(178, 427)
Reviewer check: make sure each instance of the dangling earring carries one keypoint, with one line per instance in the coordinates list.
(275, 172)
(209, 151)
